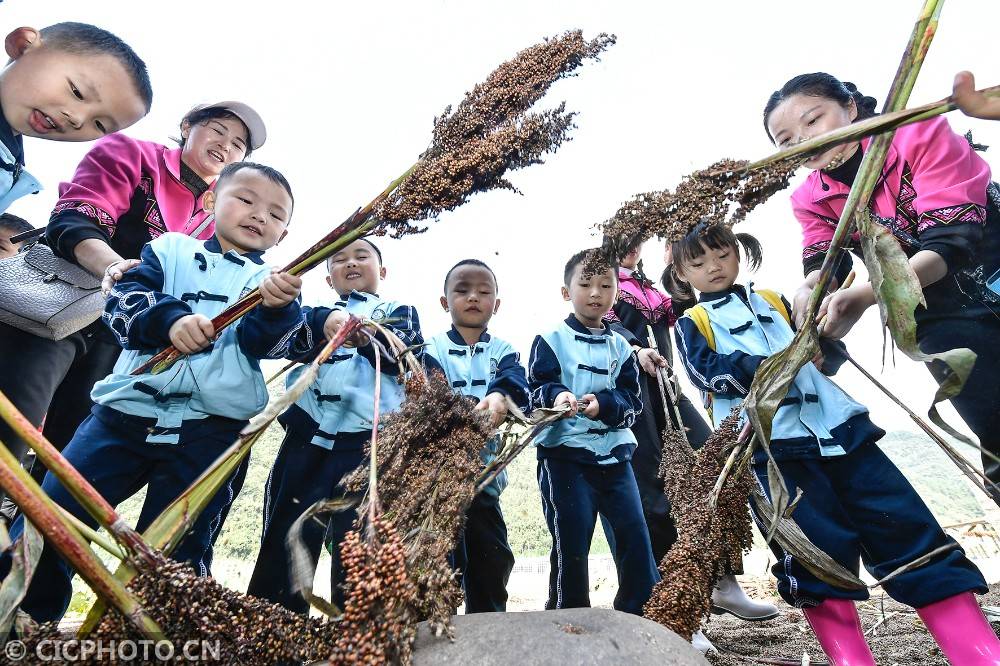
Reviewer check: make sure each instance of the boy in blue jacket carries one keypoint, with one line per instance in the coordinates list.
(583, 459)
(164, 430)
(67, 82)
(327, 428)
(488, 370)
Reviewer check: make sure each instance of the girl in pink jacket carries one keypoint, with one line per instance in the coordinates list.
(937, 200)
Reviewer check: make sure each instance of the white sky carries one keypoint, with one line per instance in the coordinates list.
(349, 90)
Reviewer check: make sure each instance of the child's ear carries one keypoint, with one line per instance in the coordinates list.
(496, 306)
(381, 273)
(21, 41)
(565, 293)
(208, 202)
(444, 303)
(329, 281)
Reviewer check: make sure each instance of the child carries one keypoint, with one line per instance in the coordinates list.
(973, 103)
(583, 460)
(11, 225)
(327, 428)
(643, 309)
(489, 371)
(855, 503)
(164, 430)
(66, 82)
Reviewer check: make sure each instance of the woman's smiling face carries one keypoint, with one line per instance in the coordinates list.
(210, 145)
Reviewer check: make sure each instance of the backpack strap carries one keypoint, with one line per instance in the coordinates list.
(699, 316)
(773, 299)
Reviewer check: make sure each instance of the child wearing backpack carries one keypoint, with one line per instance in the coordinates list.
(855, 504)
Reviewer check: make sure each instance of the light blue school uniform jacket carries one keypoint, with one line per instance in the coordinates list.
(572, 358)
(489, 366)
(179, 276)
(342, 399)
(816, 418)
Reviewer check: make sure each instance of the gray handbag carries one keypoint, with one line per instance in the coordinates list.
(45, 295)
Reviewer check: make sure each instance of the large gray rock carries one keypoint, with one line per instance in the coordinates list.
(572, 636)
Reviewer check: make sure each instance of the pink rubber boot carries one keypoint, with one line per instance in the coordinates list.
(961, 630)
(838, 628)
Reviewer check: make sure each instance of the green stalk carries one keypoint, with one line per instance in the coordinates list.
(874, 158)
(81, 489)
(170, 526)
(93, 536)
(60, 534)
(869, 127)
(359, 224)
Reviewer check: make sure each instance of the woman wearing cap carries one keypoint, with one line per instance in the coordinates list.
(124, 193)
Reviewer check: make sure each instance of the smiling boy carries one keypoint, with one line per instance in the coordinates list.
(326, 430)
(66, 82)
(164, 430)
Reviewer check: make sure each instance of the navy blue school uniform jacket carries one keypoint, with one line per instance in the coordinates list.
(342, 399)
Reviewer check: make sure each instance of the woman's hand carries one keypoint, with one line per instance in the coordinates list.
(650, 360)
(844, 308)
(114, 272)
(973, 103)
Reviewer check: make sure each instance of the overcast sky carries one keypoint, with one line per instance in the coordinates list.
(349, 90)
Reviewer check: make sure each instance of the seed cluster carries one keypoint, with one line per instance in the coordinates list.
(378, 626)
(428, 462)
(490, 133)
(724, 193)
(247, 630)
(710, 543)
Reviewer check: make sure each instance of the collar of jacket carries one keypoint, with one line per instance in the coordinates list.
(212, 245)
(575, 324)
(457, 338)
(358, 296)
(717, 299)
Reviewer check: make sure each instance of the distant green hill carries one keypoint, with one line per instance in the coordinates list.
(937, 479)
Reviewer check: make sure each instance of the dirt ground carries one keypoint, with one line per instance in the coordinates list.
(895, 633)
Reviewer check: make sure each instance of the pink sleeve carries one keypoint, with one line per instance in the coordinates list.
(817, 228)
(104, 182)
(949, 178)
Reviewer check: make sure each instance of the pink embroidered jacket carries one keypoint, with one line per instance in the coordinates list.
(932, 180)
(128, 192)
(646, 299)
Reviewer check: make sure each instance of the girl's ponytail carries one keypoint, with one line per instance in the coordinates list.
(752, 250)
(680, 292)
